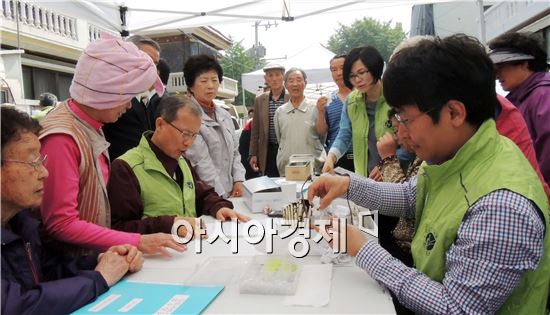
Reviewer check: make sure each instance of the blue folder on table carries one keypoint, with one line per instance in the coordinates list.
(149, 298)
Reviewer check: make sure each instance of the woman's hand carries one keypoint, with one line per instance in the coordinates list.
(237, 190)
(328, 167)
(158, 242)
(387, 145)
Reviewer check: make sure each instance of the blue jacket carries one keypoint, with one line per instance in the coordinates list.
(36, 282)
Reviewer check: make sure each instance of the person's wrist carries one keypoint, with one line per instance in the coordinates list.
(387, 160)
(384, 154)
(332, 158)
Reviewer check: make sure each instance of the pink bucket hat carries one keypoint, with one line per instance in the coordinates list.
(110, 72)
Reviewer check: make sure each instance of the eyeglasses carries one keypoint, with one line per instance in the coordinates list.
(389, 125)
(36, 163)
(361, 73)
(407, 122)
(186, 135)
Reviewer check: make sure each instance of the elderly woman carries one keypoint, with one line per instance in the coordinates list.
(215, 153)
(75, 210)
(36, 280)
(364, 114)
(522, 69)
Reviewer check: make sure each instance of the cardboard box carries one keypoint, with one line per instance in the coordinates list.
(264, 192)
(298, 170)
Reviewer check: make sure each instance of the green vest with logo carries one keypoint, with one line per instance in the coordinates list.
(358, 116)
(160, 194)
(486, 163)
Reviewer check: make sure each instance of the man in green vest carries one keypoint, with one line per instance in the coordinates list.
(481, 242)
(153, 185)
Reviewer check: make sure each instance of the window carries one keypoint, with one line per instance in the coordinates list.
(37, 81)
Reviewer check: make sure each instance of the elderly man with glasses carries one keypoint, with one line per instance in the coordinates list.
(153, 185)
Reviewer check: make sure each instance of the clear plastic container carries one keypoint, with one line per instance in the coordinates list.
(271, 275)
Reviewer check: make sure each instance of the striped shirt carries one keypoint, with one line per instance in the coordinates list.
(500, 238)
(273, 105)
(333, 112)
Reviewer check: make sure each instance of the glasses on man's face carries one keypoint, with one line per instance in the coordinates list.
(406, 122)
(36, 163)
(361, 73)
(186, 135)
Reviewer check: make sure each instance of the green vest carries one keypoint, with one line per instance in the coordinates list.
(357, 112)
(160, 194)
(487, 162)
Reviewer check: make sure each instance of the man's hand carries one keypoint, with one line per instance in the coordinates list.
(112, 267)
(237, 189)
(322, 104)
(328, 188)
(133, 256)
(158, 242)
(229, 214)
(328, 167)
(355, 239)
(254, 163)
(387, 145)
(375, 174)
(195, 223)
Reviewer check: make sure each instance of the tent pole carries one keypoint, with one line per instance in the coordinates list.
(244, 98)
(481, 21)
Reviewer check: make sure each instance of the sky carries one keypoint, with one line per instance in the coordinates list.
(289, 38)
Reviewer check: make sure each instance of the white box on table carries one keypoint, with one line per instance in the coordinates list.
(262, 192)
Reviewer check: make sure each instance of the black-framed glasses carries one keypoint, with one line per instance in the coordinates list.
(389, 125)
(36, 163)
(407, 122)
(186, 135)
(360, 73)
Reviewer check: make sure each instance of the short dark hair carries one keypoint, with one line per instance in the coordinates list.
(14, 123)
(434, 71)
(251, 110)
(527, 43)
(140, 40)
(339, 56)
(368, 56)
(164, 71)
(294, 69)
(47, 99)
(199, 64)
(169, 106)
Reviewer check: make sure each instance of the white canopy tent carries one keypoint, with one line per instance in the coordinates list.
(314, 60)
(135, 16)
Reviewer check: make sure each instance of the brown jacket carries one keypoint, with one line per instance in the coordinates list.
(260, 129)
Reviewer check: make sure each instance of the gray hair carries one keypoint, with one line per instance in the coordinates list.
(140, 40)
(294, 69)
(410, 42)
(170, 105)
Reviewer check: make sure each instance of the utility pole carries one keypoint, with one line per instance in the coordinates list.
(258, 51)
